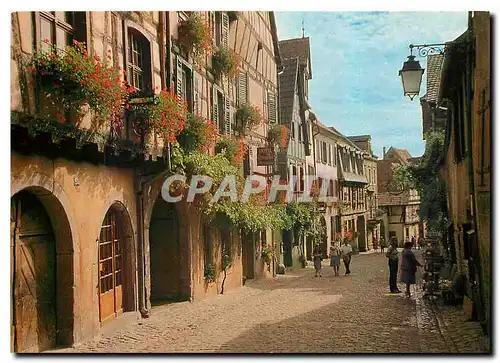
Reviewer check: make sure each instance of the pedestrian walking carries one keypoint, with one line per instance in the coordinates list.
(382, 244)
(409, 266)
(317, 257)
(335, 257)
(413, 245)
(393, 257)
(346, 253)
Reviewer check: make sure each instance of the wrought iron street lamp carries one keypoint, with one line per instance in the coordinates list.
(411, 73)
(411, 76)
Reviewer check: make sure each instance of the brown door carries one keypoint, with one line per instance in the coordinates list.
(110, 269)
(34, 311)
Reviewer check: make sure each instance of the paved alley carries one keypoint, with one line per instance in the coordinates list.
(298, 313)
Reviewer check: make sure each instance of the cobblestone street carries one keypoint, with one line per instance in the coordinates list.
(298, 313)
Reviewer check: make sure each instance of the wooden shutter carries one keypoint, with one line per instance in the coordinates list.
(271, 107)
(179, 80)
(227, 115)
(242, 89)
(215, 110)
(214, 25)
(225, 30)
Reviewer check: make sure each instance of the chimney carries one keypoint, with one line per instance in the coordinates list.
(383, 155)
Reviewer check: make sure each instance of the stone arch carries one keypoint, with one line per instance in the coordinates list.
(48, 200)
(124, 278)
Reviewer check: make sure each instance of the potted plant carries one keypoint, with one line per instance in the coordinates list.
(278, 135)
(225, 61)
(248, 117)
(195, 34)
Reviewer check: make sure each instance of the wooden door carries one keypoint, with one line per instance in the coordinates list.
(34, 310)
(110, 269)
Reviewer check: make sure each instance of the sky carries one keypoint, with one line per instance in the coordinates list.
(355, 59)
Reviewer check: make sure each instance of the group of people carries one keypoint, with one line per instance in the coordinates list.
(409, 264)
(418, 244)
(337, 252)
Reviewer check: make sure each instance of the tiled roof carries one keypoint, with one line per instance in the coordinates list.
(297, 48)
(402, 154)
(359, 138)
(288, 80)
(434, 65)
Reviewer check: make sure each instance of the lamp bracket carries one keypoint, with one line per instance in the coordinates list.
(423, 50)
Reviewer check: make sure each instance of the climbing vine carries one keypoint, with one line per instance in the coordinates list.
(425, 177)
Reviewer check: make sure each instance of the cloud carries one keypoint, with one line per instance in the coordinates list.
(355, 59)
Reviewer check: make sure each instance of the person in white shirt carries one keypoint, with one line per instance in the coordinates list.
(335, 257)
(346, 252)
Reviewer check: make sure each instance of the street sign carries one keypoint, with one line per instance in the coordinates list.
(265, 156)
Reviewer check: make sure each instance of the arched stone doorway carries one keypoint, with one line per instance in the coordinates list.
(115, 261)
(41, 272)
(166, 262)
(361, 233)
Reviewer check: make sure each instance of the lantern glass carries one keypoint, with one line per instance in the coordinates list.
(411, 76)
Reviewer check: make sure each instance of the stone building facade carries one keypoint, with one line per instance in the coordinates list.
(464, 92)
(88, 221)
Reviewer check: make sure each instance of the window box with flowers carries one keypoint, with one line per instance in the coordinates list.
(198, 134)
(225, 61)
(72, 80)
(247, 117)
(162, 115)
(195, 34)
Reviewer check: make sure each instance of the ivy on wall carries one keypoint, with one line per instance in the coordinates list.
(425, 177)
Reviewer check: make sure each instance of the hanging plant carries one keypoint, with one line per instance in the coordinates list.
(225, 61)
(199, 134)
(168, 115)
(233, 149)
(138, 112)
(195, 34)
(74, 79)
(248, 117)
(278, 135)
(233, 15)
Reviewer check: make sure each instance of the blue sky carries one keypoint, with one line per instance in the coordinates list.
(356, 57)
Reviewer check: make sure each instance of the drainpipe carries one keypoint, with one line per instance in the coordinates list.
(140, 245)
